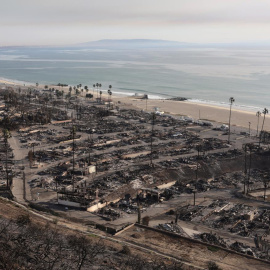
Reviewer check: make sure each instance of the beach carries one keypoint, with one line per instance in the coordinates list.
(199, 111)
(187, 108)
(5, 82)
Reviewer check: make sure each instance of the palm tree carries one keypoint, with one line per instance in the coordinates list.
(109, 94)
(94, 88)
(265, 111)
(232, 100)
(99, 86)
(110, 91)
(258, 114)
(100, 93)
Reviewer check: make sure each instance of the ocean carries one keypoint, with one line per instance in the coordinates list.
(206, 75)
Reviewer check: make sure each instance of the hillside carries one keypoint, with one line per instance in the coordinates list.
(34, 240)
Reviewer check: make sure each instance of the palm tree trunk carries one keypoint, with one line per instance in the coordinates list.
(249, 170)
(261, 131)
(245, 170)
(258, 126)
(229, 135)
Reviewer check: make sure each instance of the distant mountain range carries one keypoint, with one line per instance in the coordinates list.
(135, 43)
(163, 44)
(126, 44)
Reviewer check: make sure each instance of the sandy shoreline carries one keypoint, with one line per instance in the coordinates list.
(6, 82)
(200, 111)
(184, 108)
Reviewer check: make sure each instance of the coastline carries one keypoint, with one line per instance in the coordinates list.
(194, 109)
(197, 111)
(5, 82)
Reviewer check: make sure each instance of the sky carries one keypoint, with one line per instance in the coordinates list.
(63, 22)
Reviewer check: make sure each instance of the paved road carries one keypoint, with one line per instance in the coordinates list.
(19, 158)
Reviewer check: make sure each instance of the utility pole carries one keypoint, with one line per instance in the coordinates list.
(194, 198)
(139, 211)
(249, 169)
(146, 98)
(265, 187)
(199, 149)
(5, 131)
(33, 147)
(231, 103)
(152, 134)
(90, 141)
(197, 167)
(56, 183)
(24, 189)
(73, 132)
(245, 169)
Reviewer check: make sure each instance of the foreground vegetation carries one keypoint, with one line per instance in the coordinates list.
(26, 245)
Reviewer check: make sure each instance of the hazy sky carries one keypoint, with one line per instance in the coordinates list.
(48, 22)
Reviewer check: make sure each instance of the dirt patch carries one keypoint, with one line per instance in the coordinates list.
(190, 252)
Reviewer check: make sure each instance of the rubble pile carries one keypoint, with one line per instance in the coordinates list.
(212, 239)
(171, 227)
(190, 212)
(240, 247)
